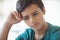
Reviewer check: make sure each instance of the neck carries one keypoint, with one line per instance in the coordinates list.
(40, 33)
(42, 30)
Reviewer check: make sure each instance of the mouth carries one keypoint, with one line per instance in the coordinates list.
(35, 25)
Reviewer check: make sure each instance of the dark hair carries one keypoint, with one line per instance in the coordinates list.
(23, 4)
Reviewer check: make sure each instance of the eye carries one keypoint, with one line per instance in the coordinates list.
(25, 18)
(34, 14)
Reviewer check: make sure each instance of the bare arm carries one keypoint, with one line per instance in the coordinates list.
(5, 31)
(13, 18)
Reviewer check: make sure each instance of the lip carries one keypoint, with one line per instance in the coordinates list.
(34, 25)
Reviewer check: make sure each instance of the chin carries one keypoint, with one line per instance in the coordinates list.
(36, 29)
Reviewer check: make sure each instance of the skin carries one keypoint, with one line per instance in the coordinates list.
(13, 18)
(32, 16)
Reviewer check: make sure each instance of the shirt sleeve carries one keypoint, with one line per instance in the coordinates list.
(20, 37)
(27, 35)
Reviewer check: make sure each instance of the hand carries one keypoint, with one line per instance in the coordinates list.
(13, 18)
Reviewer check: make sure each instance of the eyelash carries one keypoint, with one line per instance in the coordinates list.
(35, 14)
(28, 17)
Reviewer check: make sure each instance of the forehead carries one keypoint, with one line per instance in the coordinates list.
(30, 9)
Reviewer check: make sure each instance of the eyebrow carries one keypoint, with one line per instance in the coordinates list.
(32, 13)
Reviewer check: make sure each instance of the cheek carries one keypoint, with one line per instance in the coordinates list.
(39, 18)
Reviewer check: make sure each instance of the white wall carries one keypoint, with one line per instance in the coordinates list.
(52, 11)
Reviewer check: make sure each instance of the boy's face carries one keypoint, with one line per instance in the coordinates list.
(33, 17)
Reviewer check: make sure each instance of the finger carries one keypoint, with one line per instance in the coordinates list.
(17, 15)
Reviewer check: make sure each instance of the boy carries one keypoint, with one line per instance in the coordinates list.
(31, 11)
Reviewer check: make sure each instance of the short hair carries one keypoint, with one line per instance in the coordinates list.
(23, 4)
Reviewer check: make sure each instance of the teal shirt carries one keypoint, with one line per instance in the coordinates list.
(52, 33)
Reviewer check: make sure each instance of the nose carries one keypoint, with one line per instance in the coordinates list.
(32, 20)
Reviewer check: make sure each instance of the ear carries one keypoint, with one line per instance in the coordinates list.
(43, 10)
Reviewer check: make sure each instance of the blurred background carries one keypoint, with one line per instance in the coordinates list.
(6, 6)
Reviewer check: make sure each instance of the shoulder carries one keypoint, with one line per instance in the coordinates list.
(54, 32)
(25, 35)
(53, 28)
